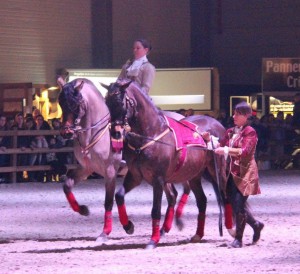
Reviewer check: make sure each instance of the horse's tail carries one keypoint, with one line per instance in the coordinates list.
(219, 197)
(220, 205)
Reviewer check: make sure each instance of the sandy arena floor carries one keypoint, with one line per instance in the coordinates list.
(39, 233)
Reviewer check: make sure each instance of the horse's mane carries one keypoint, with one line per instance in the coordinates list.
(137, 91)
(70, 99)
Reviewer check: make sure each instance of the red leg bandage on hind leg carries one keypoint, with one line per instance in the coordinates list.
(107, 222)
(181, 205)
(169, 219)
(72, 201)
(201, 224)
(228, 216)
(123, 215)
(155, 231)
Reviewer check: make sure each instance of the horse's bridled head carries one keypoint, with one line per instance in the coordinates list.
(119, 86)
(115, 101)
(70, 99)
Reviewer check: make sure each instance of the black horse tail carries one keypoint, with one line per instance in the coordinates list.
(219, 197)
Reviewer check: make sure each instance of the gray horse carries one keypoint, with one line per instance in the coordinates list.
(86, 119)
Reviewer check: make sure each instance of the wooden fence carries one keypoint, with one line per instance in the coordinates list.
(14, 151)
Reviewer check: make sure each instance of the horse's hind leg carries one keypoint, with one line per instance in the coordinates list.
(72, 178)
(181, 204)
(156, 212)
(201, 201)
(130, 182)
(171, 194)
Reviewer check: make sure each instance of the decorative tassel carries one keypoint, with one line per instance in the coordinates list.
(117, 145)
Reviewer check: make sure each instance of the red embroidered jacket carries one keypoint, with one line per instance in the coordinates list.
(243, 168)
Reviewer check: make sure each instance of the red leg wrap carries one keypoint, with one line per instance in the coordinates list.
(123, 214)
(201, 224)
(155, 231)
(228, 216)
(107, 222)
(169, 219)
(72, 201)
(181, 205)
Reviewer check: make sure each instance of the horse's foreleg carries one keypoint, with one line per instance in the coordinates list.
(129, 183)
(67, 187)
(156, 213)
(108, 205)
(181, 204)
(171, 194)
(201, 200)
(110, 185)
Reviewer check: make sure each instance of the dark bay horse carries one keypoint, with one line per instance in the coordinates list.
(86, 119)
(151, 155)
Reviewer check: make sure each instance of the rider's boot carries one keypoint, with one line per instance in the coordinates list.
(240, 227)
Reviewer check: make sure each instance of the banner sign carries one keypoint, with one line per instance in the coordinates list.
(281, 74)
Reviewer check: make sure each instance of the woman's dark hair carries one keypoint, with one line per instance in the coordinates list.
(144, 43)
(19, 114)
(243, 108)
(55, 120)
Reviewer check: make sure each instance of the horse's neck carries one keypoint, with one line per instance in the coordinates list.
(96, 111)
(149, 120)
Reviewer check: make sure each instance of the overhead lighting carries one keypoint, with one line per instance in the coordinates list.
(53, 88)
(178, 99)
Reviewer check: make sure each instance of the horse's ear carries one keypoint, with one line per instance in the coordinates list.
(105, 86)
(79, 87)
(61, 82)
(125, 84)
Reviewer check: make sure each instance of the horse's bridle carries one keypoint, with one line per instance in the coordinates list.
(77, 129)
(130, 103)
(97, 136)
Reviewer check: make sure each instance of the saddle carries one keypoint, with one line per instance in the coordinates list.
(186, 133)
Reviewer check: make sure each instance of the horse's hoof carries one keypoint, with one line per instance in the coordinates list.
(196, 239)
(162, 233)
(102, 238)
(232, 232)
(179, 224)
(151, 245)
(84, 210)
(129, 228)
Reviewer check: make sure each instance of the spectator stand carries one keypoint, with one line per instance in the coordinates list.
(14, 151)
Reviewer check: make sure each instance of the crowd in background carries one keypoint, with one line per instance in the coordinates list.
(34, 121)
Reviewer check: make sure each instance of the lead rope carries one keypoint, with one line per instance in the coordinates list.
(218, 182)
